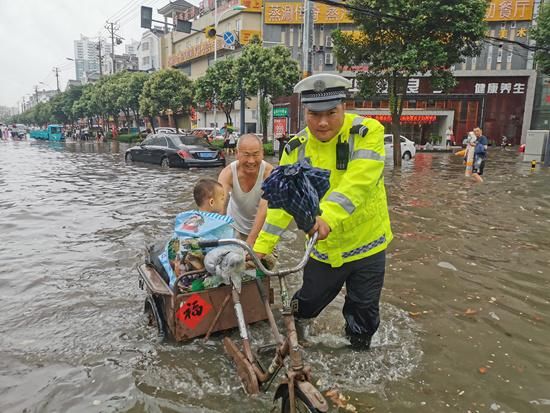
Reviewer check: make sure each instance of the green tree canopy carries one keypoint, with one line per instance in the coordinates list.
(271, 72)
(220, 83)
(167, 89)
(410, 38)
(541, 34)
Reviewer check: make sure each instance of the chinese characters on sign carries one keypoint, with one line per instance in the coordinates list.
(504, 10)
(499, 88)
(192, 311)
(246, 35)
(293, 13)
(190, 53)
(413, 87)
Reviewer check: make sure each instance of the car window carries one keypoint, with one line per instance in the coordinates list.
(148, 141)
(181, 140)
(388, 139)
(159, 141)
(55, 130)
(403, 140)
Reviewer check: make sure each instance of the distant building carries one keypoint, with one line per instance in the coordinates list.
(71, 83)
(148, 51)
(131, 48)
(86, 55)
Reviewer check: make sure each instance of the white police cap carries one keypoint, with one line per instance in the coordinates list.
(323, 91)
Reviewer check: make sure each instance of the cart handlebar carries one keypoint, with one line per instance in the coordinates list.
(231, 241)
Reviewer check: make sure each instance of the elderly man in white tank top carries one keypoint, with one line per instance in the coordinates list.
(242, 180)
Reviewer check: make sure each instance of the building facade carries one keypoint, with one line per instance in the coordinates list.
(148, 51)
(193, 53)
(87, 55)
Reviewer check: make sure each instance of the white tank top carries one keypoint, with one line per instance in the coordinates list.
(243, 206)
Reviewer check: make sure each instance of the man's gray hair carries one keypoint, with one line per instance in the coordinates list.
(247, 136)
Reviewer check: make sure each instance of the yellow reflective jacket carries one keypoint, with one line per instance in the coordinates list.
(355, 206)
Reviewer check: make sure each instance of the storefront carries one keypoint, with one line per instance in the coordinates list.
(496, 104)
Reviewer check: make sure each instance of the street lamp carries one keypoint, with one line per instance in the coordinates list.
(216, 21)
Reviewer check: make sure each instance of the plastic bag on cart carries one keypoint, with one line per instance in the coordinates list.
(180, 254)
(227, 262)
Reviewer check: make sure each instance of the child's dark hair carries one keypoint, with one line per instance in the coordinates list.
(204, 189)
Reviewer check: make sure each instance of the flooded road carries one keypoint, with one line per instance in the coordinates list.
(465, 309)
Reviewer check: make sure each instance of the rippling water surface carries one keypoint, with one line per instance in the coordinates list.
(465, 308)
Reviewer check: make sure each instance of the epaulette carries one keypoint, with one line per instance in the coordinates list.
(296, 141)
(292, 144)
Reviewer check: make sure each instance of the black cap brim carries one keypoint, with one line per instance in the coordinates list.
(322, 106)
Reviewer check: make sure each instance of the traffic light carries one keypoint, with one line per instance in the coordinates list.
(183, 26)
(146, 17)
(210, 32)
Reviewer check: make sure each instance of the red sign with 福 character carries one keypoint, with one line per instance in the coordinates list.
(192, 311)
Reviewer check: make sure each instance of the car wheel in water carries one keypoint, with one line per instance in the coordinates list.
(128, 158)
(407, 156)
(165, 163)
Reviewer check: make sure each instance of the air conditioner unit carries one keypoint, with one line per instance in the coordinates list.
(329, 58)
(328, 41)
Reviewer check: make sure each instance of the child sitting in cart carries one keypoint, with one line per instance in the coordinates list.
(206, 222)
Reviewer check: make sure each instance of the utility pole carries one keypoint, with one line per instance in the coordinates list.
(112, 28)
(307, 39)
(100, 57)
(56, 70)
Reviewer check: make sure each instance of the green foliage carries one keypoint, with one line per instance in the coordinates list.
(433, 35)
(129, 138)
(268, 149)
(221, 81)
(271, 72)
(167, 89)
(541, 34)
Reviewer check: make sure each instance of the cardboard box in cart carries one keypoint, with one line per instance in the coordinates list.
(192, 314)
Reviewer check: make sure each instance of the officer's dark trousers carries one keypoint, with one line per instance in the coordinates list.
(364, 280)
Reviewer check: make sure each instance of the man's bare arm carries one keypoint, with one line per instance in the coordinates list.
(226, 179)
(258, 222)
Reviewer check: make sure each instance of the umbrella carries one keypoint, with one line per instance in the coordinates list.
(297, 188)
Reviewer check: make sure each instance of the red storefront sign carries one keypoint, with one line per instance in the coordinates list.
(280, 126)
(414, 119)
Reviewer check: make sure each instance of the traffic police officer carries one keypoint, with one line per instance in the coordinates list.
(353, 226)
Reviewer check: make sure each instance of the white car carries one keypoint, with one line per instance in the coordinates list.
(167, 130)
(408, 149)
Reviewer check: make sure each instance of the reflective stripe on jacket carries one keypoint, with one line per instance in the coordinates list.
(355, 206)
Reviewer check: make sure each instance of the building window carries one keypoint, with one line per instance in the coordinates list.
(186, 69)
(474, 62)
(145, 61)
(513, 24)
(509, 57)
(499, 54)
(503, 25)
(145, 46)
(238, 25)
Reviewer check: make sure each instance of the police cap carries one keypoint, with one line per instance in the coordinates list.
(323, 91)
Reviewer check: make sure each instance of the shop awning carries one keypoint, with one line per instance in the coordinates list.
(414, 119)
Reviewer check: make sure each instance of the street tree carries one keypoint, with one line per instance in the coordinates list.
(410, 38)
(269, 72)
(130, 91)
(541, 34)
(219, 85)
(166, 90)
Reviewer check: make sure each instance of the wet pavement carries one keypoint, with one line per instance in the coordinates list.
(465, 308)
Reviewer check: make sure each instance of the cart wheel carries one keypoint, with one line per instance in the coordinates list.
(303, 405)
(153, 310)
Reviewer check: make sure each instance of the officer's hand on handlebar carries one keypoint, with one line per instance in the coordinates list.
(320, 227)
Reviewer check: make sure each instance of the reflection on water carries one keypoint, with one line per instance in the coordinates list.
(464, 311)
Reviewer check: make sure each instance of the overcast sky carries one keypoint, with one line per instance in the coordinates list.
(38, 35)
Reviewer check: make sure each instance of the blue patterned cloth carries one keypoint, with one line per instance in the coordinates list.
(297, 188)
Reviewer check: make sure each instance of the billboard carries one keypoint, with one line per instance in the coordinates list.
(504, 10)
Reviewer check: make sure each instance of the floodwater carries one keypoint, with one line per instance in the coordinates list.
(465, 309)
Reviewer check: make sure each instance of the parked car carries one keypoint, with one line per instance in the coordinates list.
(209, 131)
(408, 149)
(174, 150)
(166, 130)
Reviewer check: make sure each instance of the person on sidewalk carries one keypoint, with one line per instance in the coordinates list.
(449, 137)
(353, 226)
